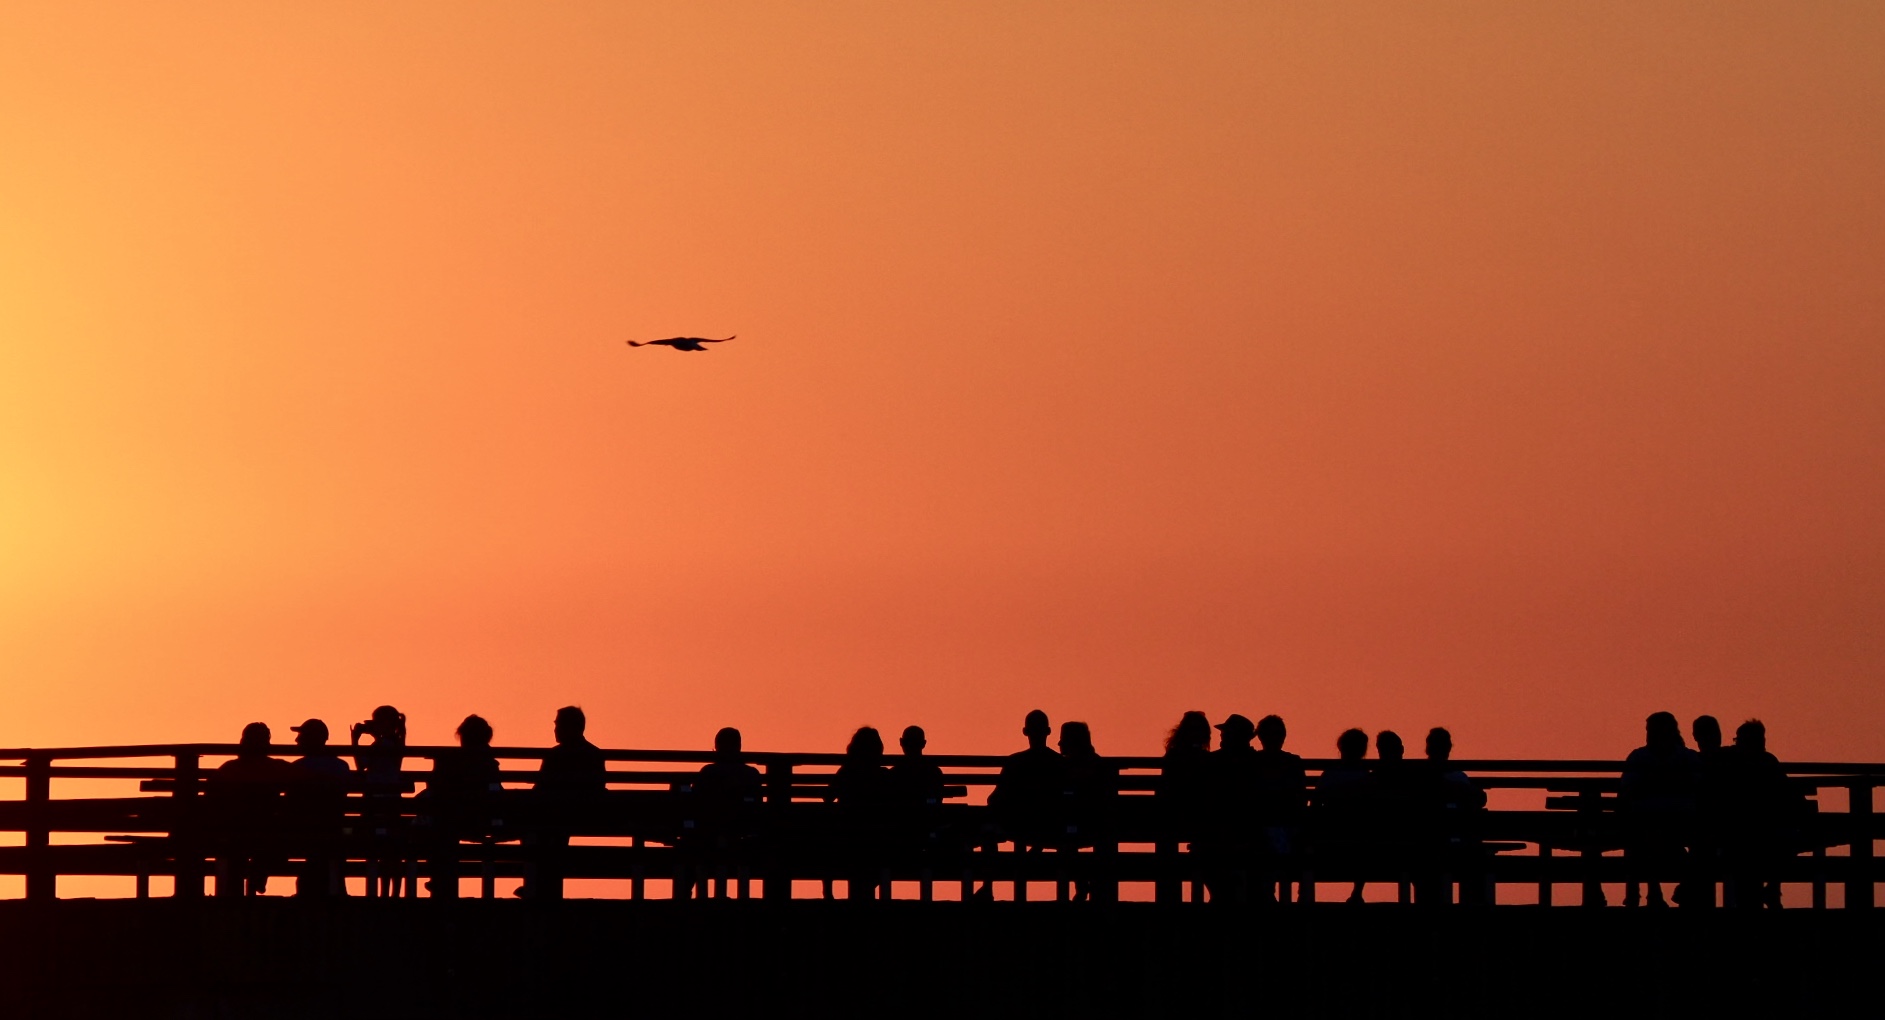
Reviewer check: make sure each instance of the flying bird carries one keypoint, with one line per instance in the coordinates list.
(681, 343)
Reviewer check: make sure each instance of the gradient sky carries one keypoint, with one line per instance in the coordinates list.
(1514, 367)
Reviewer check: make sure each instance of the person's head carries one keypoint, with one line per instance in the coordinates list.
(389, 723)
(866, 744)
(913, 740)
(1036, 728)
(1075, 739)
(726, 742)
(1439, 744)
(1193, 733)
(570, 724)
(1706, 730)
(1388, 746)
(312, 733)
(1271, 732)
(1352, 745)
(474, 732)
(1235, 731)
(1751, 735)
(1661, 730)
(255, 738)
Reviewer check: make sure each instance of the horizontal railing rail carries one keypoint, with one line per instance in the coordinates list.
(390, 830)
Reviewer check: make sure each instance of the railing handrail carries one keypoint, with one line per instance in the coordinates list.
(1559, 766)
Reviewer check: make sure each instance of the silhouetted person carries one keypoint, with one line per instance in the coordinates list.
(470, 774)
(1184, 795)
(917, 783)
(385, 750)
(917, 787)
(569, 783)
(1446, 826)
(458, 794)
(1711, 811)
(380, 761)
(574, 767)
(319, 800)
(1029, 793)
(1344, 798)
(862, 783)
(728, 784)
(247, 792)
(1452, 789)
(1092, 787)
(865, 795)
(1395, 803)
(1284, 797)
(1027, 802)
(1184, 789)
(1763, 810)
(317, 758)
(724, 796)
(1396, 786)
(1658, 802)
(1238, 816)
(1706, 729)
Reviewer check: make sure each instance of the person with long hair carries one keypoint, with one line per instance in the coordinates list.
(456, 791)
(864, 792)
(380, 761)
(1093, 788)
(1184, 790)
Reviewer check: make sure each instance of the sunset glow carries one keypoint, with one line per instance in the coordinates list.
(1512, 367)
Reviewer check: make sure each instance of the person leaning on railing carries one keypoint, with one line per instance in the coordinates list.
(1283, 800)
(381, 760)
(1092, 801)
(318, 802)
(719, 803)
(866, 795)
(917, 790)
(1235, 822)
(456, 804)
(1763, 815)
(571, 779)
(1449, 845)
(1344, 798)
(246, 793)
(1660, 783)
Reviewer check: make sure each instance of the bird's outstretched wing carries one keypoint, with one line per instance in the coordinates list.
(682, 342)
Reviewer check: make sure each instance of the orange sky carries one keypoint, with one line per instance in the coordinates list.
(1516, 367)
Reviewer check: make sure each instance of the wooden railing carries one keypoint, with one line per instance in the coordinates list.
(647, 829)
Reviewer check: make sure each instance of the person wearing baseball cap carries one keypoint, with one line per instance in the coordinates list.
(320, 798)
(316, 758)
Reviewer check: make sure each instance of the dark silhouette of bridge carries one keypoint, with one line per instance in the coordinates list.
(773, 827)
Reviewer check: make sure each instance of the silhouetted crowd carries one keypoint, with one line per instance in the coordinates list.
(1246, 812)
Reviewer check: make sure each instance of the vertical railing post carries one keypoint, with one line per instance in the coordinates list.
(776, 879)
(185, 835)
(1859, 817)
(41, 880)
(1590, 808)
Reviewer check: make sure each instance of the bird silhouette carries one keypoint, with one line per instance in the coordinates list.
(681, 343)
